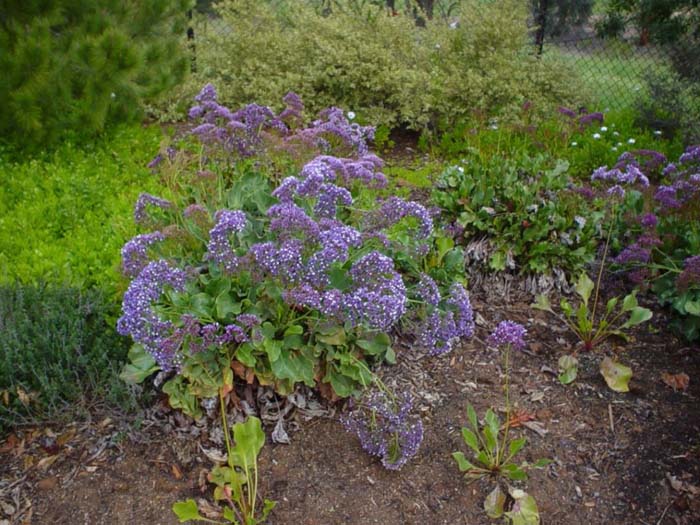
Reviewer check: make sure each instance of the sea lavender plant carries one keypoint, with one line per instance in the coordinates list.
(385, 426)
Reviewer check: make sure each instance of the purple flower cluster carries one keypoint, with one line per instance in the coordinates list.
(628, 174)
(691, 155)
(135, 252)
(508, 333)
(140, 321)
(690, 274)
(386, 428)
(648, 220)
(292, 115)
(331, 124)
(439, 331)
(685, 184)
(142, 203)
(646, 160)
(394, 209)
(427, 290)
(219, 248)
(634, 253)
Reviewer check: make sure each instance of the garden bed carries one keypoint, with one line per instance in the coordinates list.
(617, 458)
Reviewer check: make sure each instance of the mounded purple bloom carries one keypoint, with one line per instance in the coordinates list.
(585, 120)
(386, 428)
(649, 220)
(666, 196)
(458, 301)
(330, 197)
(288, 219)
(691, 154)
(135, 252)
(283, 261)
(248, 320)
(303, 295)
(394, 209)
(508, 333)
(690, 274)
(145, 200)
(140, 321)
(428, 290)
(616, 191)
(567, 112)
(634, 253)
(219, 248)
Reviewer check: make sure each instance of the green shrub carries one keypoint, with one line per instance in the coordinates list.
(64, 215)
(384, 68)
(78, 65)
(57, 353)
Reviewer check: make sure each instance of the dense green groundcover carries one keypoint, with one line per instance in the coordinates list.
(64, 215)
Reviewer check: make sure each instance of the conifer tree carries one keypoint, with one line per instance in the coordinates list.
(81, 64)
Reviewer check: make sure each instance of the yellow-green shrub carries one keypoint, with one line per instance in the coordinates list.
(382, 67)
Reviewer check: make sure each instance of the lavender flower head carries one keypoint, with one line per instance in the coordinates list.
(690, 274)
(145, 200)
(219, 248)
(386, 428)
(508, 333)
(135, 252)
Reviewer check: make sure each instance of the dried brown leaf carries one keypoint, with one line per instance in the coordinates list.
(676, 381)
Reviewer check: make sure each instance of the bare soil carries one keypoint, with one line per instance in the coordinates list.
(618, 459)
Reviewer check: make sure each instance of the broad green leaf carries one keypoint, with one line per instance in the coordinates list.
(491, 439)
(375, 346)
(141, 365)
(638, 316)
(244, 354)
(629, 303)
(497, 261)
(470, 439)
(612, 303)
(249, 440)
(542, 303)
(295, 366)
(524, 511)
(494, 502)
(542, 462)
(463, 463)
(294, 329)
(273, 349)
(336, 337)
(226, 307)
(568, 369)
(268, 505)
(692, 307)
(342, 385)
(493, 423)
(390, 356)
(516, 446)
(566, 308)
(584, 288)
(471, 416)
(230, 515)
(616, 375)
(513, 472)
(187, 510)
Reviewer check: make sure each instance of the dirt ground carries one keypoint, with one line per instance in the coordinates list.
(617, 459)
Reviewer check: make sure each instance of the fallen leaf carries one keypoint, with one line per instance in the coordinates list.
(524, 511)
(536, 427)
(676, 381)
(46, 462)
(11, 443)
(519, 418)
(47, 483)
(208, 510)
(176, 472)
(616, 375)
(7, 508)
(91, 468)
(66, 437)
(238, 369)
(250, 376)
(494, 503)
(568, 369)
(214, 455)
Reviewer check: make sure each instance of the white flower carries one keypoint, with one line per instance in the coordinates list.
(619, 144)
(532, 208)
(580, 221)
(493, 126)
(351, 115)
(614, 148)
(113, 94)
(437, 46)
(604, 129)
(574, 144)
(454, 25)
(596, 135)
(631, 141)
(616, 134)
(460, 169)
(657, 132)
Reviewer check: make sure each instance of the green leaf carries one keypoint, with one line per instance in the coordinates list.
(513, 472)
(294, 329)
(273, 349)
(244, 354)
(494, 502)
(471, 416)
(187, 511)
(584, 288)
(226, 307)
(295, 366)
(471, 440)
(524, 511)
(342, 385)
(639, 315)
(463, 463)
(541, 463)
(612, 303)
(249, 440)
(568, 369)
(497, 261)
(335, 337)
(616, 375)
(692, 307)
(542, 303)
(268, 505)
(141, 366)
(629, 303)
(566, 308)
(516, 446)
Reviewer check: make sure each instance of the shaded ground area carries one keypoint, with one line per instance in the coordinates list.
(618, 459)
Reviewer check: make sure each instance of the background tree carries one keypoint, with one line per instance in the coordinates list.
(555, 17)
(80, 64)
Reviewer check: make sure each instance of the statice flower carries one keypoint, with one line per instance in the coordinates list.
(139, 320)
(283, 262)
(219, 248)
(288, 219)
(459, 303)
(427, 290)
(303, 295)
(135, 252)
(649, 220)
(332, 122)
(567, 112)
(691, 154)
(248, 320)
(142, 203)
(590, 118)
(394, 209)
(634, 253)
(292, 115)
(386, 428)
(330, 197)
(690, 274)
(508, 333)
(667, 197)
